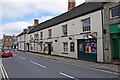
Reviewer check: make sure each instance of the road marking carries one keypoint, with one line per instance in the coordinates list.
(4, 73)
(68, 76)
(79, 65)
(21, 58)
(105, 71)
(37, 64)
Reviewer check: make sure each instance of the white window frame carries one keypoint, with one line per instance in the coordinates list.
(65, 47)
(41, 35)
(86, 25)
(65, 30)
(50, 33)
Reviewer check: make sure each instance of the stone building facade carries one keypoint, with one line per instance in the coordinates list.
(111, 31)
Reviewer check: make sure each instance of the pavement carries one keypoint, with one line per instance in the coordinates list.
(81, 63)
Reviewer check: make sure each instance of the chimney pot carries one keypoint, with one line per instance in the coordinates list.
(71, 4)
(36, 22)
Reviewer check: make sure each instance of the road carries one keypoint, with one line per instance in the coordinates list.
(23, 65)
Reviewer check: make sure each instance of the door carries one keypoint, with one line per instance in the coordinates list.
(49, 49)
(87, 49)
(81, 49)
(115, 48)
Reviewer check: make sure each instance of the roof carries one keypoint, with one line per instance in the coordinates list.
(80, 10)
(7, 36)
(21, 33)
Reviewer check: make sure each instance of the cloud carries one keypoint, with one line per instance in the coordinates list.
(19, 8)
(14, 28)
(12, 10)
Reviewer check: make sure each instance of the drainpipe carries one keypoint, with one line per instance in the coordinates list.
(102, 16)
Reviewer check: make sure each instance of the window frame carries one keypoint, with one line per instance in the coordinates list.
(65, 30)
(86, 25)
(72, 48)
(50, 33)
(65, 47)
(110, 12)
(41, 35)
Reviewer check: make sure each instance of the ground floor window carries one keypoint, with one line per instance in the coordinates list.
(90, 46)
(72, 46)
(31, 47)
(65, 47)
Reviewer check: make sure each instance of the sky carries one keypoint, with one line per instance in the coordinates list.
(16, 15)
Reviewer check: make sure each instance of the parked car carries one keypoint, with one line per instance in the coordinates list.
(7, 53)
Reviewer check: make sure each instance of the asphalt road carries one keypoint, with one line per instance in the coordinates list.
(23, 65)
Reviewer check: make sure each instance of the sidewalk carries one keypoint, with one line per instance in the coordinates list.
(81, 63)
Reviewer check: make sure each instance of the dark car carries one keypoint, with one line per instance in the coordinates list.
(6, 53)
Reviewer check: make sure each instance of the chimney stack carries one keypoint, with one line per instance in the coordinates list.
(36, 22)
(71, 4)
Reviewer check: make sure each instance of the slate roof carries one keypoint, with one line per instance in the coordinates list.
(21, 33)
(80, 10)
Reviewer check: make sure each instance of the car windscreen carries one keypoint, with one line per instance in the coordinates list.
(6, 50)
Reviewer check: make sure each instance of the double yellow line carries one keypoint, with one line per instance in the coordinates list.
(3, 71)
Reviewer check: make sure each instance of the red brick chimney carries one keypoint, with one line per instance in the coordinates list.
(71, 4)
(36, 22)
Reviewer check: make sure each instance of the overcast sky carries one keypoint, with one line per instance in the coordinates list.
(15, 15)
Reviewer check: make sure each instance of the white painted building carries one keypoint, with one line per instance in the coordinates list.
(76, 34)
(22, 40)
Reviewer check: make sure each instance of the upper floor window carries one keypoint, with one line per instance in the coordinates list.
(64, 30)
(30, 36)
(50, 33)
(36, 36)
(41, 35)
(115, 12)
(72, 46)
(86, 24)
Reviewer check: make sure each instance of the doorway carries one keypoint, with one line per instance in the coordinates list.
(49, 48)
(87, 49)
(115, 48)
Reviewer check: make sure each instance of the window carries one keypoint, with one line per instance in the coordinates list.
(72, 46)
(64, 30)
(30, 36)
(34, 46)
(86, 24)
(65, 47)
(115, 12)
(40, 47)
(36, 36)
(41, 35)
(50, 33)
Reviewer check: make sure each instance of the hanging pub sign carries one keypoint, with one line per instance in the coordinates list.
(90, 35)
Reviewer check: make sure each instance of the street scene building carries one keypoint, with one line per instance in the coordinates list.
(82, 43)
(111, 31)
(83, 32)
(9, 41)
